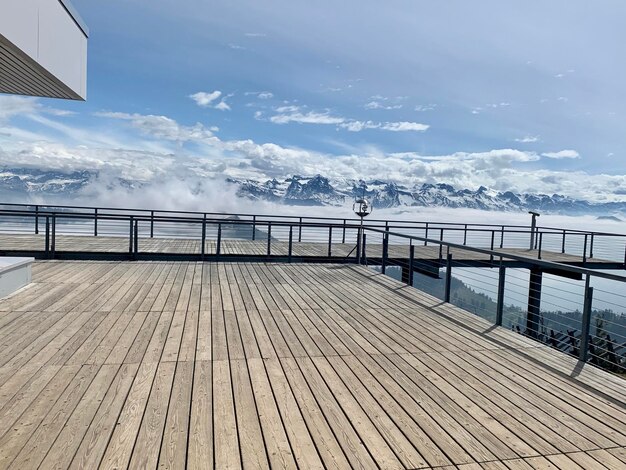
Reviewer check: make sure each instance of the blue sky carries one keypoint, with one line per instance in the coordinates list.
(527, 96)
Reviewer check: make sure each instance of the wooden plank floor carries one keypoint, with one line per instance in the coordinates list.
(251, 365)
(108, 244)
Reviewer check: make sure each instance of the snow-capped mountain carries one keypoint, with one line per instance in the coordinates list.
(319, 190)
(20, 184)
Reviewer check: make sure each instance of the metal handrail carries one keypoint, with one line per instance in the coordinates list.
(40, 208)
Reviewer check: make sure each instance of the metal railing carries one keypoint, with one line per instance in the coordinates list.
(577, 310)
(512, 288)
(587, 245)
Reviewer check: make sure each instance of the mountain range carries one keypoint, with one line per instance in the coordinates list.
(21, 183)
(321, 191)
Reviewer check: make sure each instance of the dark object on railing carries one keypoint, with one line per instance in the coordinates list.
(385, 251)
(152, 223)
(253, 227)
(563, 243)
(47, 237)
(218, 247)
(36, 220)
(363, 257)
(53, 239)
(426, 235)
(203, 246)
(586, 321)
(290, 242)
(136, 240)
(500, 301)
(533, 225)
(300, 231)
(448, 278)
(585, 250)
(95, 222)
(130, 235)
(540, 245)
(534, 302)
(269, 238)
(411, 258)
(343, 236)
(502, 237)
(440, 246)
(330, 240)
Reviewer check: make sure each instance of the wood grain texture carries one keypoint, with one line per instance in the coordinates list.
(253, 365)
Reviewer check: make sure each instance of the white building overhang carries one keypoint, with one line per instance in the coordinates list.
(43, 49)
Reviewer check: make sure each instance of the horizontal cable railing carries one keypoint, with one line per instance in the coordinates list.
(577, 310)
(509, 275)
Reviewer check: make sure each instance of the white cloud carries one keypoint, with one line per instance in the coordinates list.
(192, 157)
(236, 47)
(378, 105)
(358, 126)
(291, 114)
(425, 107)
(255, 35)
(222, 106)
(11, 106)
(205, 99)
(263, 95)
(161, 127)
(404, 126)
(562, 154)
(528, 139)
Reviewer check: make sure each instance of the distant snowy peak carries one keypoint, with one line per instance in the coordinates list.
(321, 191)
(21, 184)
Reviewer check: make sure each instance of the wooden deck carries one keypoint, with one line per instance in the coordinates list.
(179, 246)
(226, 365)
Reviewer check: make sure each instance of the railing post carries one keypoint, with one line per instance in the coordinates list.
(500, 303)
(563, 243)
(586, 321)
(440, 245)
(290, 242)
(253, 227)
(343, 236)
(218, 248)
(330, 240)
(269, 237)
(585, 250)
(358, 246)
(203, 245)
(363, 257)
(448, 278)
(465, 235)
(534, 302)
(130, 235)
(540, 244)
(47, 237)
(53, 236)
(152, 223)
(136, 239)
(385, 251)
(502, 238)
(36, 220)
(300, 231)
(426, 235)
(95, 222)
(591, 246)
(411, 258)
(493, 236)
